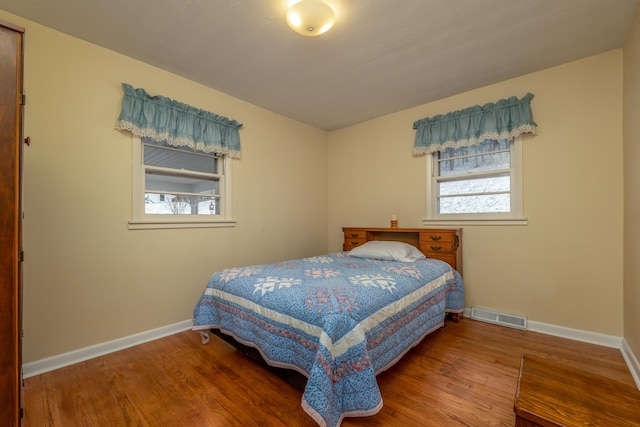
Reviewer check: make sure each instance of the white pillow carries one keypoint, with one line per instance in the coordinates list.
(387, 250)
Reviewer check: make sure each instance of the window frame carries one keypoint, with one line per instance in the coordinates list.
(142, 221)
(514, 217)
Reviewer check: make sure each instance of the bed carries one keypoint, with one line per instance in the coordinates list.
(339, 319)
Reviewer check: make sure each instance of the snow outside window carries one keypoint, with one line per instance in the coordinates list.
(476, 183)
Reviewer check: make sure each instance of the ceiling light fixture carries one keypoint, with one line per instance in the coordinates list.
(310, 17)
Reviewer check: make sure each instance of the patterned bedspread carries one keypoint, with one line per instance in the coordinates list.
(336, 319)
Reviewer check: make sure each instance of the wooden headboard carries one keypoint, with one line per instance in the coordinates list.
(440, 243)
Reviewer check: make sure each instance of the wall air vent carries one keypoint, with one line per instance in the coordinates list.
(489, 316)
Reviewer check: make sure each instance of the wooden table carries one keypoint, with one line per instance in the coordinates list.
(552, 394)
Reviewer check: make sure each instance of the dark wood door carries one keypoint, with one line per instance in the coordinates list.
(10, 223)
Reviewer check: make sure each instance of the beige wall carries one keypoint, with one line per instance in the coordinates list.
(563, 268)
(632, 187)
(87, 278)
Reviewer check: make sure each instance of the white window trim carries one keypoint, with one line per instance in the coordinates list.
(141, 221)
(515, 217)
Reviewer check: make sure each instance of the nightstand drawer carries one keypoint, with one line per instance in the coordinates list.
(352, 242)
(437, 237)
(354, 233)
(353, 237)
(428, 246)
(438, 241)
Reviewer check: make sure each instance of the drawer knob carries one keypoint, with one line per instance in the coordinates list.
(354, 243)
(436, 248)
(354, 234)
(436, 238)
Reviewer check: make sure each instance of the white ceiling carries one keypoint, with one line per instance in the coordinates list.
(381, 56)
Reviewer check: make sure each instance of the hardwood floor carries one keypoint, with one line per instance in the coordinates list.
(462, 375)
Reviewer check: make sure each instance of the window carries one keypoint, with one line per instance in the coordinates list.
(476, 183)
(177, 187)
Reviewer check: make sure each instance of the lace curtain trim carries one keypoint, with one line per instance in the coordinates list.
(468, 142)
(180, 125)
(505, 119)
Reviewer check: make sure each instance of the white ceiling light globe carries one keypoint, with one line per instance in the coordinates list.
(310, 17)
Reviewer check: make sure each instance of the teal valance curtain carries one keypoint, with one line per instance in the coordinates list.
(502, 120)
(171, 122)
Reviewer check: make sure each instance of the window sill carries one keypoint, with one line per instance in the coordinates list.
(155, 224)
(459, 222)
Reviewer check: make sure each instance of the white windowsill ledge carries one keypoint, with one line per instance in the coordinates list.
(154, 225)
(460, 222)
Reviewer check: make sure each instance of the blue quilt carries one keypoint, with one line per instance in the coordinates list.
(336, 319)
